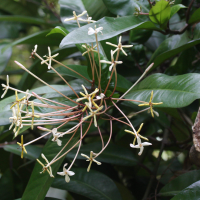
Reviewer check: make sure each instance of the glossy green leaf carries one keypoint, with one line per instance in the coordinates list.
(58, 29)
(176, 8)
(173, 91)
(113, 154)
(192, 192)
(160, 13)
(39, 184)
(93, 185)
(33, 152)
(170, 47)
(126, 7)
(195, 17)
(4, 56)
(180, 183)
(111, 27)
(78, 68)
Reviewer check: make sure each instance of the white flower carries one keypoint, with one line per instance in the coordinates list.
(140, 145)
(91, 31)
(46, 167)
(49, 58)
(5, 87)
(91, 159)
(35, 48)
(76, 17)
(66, 173)
(89, 19)
(101, 96)
(89, 49)
(56, 136)
(119, 46)
(112, 62)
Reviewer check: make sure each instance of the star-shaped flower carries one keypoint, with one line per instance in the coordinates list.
(91, 159)
(93, 113)
(5, 87)
(17, 101)
(49, 58)
(56, 136)
(92, 31)
(76, 17)
(46, 167)
(150, 104)
(112, 62)
(66, 173)
(89, 49)
(22, 146)
(87, 96)
(119, 46)
(101, 96)
(140, 145)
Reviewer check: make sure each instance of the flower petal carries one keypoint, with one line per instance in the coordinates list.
(61, 173)
(70, 173)
(67, 179)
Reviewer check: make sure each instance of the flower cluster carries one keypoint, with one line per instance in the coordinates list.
(86, 109)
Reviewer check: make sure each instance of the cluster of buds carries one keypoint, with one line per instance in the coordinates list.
(87, 109)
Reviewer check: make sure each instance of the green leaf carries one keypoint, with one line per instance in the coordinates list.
(160, 13)
(113, 154)
(122, 24)
(58, 29)
(170, 47)
(192, 192)
(78, 68)
(176, 8)
(173, 91)
(195, 17)
(93, 185)
(4, 56)
(126, 7)
(24, 19)
(180, 183)
(39, 184)
(33, 152)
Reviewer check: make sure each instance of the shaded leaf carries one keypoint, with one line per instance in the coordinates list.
(176, 8)
(195, 17)
(93, 185)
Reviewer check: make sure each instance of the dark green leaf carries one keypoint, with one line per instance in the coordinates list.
(126, 7)
(195, 17)
(192, 192)
(111, 27)
(113, 154)
(176, 8)
(33, 152)
(180, 183)
(4, 56)
(173, 91)
(170, 47)
(93, 185)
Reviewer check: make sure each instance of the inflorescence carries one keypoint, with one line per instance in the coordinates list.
(88, 107)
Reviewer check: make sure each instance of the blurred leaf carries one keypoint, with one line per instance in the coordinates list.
(58, 29)
(173, 91)
(121, 24)
(126, 7)
(176, 8)
(192, 192)
(4, 56)
(195, 17)
(170, 47)
(113, 154)
(78, 68)
(160, 13)
(140, 35)
(24, 19)
(181, 182)
(7, 186)
(33, 152)
(93, 185)
(39, 184)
